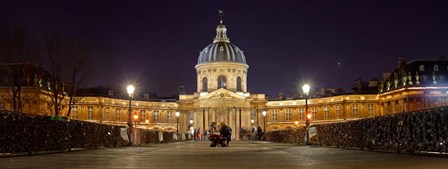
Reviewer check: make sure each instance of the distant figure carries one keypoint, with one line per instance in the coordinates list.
(226, 132)
(259, 133)
(205, 135)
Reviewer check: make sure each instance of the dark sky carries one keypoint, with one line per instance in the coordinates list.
(156, 43)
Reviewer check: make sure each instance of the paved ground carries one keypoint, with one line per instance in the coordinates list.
(198, 155)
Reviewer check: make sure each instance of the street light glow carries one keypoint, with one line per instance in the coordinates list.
(264, 113)
(309, 116)
(306, 89)
(130, 89)
(135, 117)
(296, 122)
(252, 121)
(177, 114)
(191, 121)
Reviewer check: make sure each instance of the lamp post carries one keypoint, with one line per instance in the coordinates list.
(306, 91)
(130, 89)
(177, 121)
(264, 121)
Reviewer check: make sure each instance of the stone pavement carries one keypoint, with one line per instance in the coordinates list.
(240, 154)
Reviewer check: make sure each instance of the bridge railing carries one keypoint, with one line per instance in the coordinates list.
(421, 131)
(21, 132)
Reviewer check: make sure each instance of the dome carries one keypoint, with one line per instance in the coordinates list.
(221, 50)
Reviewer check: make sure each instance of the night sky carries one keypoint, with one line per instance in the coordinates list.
(155, 44)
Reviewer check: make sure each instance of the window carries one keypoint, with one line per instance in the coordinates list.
(436, 68)
(89, 113)
(142, 115)
(326, 112)
(288, 114)
(338, 111)
(204, 84)
(117, 115)
(239, 88)
(106, 113)
(75, 112)
(221, 82)
(314, 112)
(355, 110)
(274, 115)
(422, 68)
(370, 110)
(155, 116)
(301, 112)
(169, 116)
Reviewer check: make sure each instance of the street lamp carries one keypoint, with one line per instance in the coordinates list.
(306, 91)
(177, 121)
(296, 123)
(264, 117)
(130, 89)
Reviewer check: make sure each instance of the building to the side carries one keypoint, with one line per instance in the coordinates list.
(222, 96)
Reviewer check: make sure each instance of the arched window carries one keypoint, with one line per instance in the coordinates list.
(204, 84)
(222, 82)
(422, 68)
(239, 88)
(436, 68)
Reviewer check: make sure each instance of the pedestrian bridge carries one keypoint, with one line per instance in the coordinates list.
(240, 154)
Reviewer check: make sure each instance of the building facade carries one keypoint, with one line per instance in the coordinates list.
(222, 96)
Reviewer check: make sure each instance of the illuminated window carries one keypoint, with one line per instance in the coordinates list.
(155, 116)
(274, 115)
(117, 115)
(204, 84)
(338, 111)
(90, 113)
(142, 115)
(75, 112)
(314, 112)
(301, 112)
(355, 110)
(326, 112)
(370, 110)
(288, 114)
(422, 68)
(169, 116)
(222, 82)
(106, 113)
(239, 88)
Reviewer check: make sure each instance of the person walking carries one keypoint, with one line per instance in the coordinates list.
(259, 133)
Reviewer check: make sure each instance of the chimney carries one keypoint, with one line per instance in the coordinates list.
(111, 92)
(401, 61)
(181, 88)
(281, 96)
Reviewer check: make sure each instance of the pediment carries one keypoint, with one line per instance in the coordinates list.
(222, 94)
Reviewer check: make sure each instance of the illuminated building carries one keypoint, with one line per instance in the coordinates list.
(222, 96)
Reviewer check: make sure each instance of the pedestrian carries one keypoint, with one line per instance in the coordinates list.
(259, 133)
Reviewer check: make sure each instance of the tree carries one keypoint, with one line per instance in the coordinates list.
(76, 50)
(67, 58)
(55, 63)
(17, 50)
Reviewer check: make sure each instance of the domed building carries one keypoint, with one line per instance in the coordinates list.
(221, 94)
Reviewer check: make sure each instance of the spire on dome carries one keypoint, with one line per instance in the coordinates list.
(221, 30)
